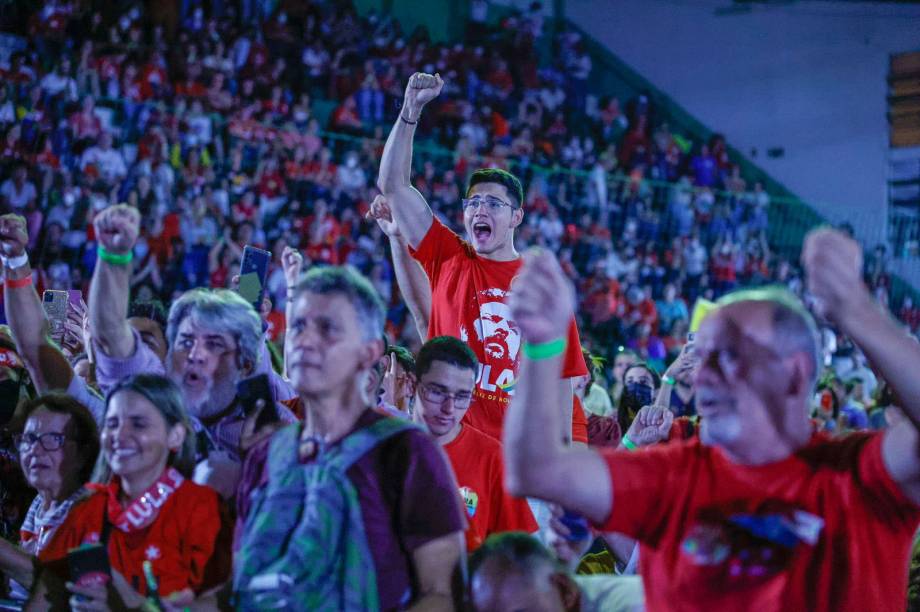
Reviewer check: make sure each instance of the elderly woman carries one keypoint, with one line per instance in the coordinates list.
(145, 508)
(57, 447)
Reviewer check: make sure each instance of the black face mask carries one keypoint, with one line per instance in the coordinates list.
(9, 399)
(636, 395)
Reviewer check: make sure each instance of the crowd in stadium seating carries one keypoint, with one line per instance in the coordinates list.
(223, 132)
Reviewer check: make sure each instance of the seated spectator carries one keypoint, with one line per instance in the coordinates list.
(446, 373)
(18, 192)
(403, 538)
(145, 509)
(57, 448)
(104, 161)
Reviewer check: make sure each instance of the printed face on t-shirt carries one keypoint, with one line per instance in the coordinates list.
(444, 395)
(497, 331)
(491, 230)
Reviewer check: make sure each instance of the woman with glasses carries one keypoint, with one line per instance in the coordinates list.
(144, 509)
(57, 449)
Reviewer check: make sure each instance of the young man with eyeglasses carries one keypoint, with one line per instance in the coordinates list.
(446, 372)
(469, 280)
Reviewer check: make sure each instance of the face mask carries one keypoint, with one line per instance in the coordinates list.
(636, 395)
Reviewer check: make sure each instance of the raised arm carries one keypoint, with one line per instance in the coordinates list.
(410, 277)
(45, 362)
(410, 210)
(117, 228)
(292, 262)
(537, 461)
(833, 264)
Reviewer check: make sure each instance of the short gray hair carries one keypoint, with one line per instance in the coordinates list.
(353, 286)
(223, 311)
(793, 326)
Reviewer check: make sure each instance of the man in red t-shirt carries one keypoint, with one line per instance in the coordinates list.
(759, 510)
(446, 372)
(469, 280)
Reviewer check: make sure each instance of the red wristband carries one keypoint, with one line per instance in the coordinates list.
(18, 283)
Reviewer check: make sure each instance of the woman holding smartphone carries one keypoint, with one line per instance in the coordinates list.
(145, 508)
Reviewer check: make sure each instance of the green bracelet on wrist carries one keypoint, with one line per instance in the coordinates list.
(668, 380)
(629, 444)
(115, 259)
(547, 350)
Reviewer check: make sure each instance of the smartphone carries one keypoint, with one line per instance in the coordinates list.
(577, 524)
(55, 305)
(89, 565)
(249, 391)
(253, 273)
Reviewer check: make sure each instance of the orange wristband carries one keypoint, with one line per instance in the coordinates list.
(18, 283)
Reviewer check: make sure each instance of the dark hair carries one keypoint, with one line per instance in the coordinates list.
(499, 177)
(514, 551)
(167, 399)
(86, 434)
(447, 349)
(149, 309)
(403, 357)
(623, 418)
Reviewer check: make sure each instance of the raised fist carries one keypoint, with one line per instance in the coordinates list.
(292, 262)
(651, 425)
(422, 89)
(833, 269)
(380, 212)
(542, 300)
(117, 228)
(13, 235)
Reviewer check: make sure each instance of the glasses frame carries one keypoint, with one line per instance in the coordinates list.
(20, 439)
(425, 390)
(492, 203)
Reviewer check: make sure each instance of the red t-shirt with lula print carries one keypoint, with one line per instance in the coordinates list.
(468, 294)
(477, 462)
(188, 543)
(825, 529)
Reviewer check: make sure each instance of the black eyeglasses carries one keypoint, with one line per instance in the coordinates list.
(437, 396)
(50, 441)
(491, 203)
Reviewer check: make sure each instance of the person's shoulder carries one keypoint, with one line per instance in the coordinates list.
(836, 452)
(481, 441)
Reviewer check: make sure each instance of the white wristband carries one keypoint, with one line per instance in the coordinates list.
(14, 263)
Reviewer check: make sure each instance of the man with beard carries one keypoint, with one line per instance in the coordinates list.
(214, 340)
(469, 280)
(760, 508)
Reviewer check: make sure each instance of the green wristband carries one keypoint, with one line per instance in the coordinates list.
(547, 350)
(114, 258)
(629, 444)
(668, 380)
